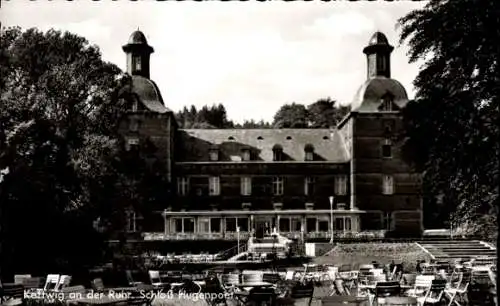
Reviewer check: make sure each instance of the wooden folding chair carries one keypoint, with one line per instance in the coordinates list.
(434, 294)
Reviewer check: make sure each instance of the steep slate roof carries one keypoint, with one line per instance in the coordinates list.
(149, 94)
(195, 144)
(369, 95)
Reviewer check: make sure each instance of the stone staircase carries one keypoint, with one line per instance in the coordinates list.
(447, 250)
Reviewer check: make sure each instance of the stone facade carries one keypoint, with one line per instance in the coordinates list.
(314, 183)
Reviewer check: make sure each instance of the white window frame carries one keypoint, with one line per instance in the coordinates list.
(135, 105)
(388, 184)
(308, 180)
(214, 185)
(246, 186)
(182, 186)
(340, 184)
(387, 104)
(278, 185)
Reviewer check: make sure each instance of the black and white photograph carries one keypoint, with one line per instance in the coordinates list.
(260, 153)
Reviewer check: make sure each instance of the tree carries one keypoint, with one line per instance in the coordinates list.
(57, 122)
(324, 113)
(453, 123)
(291, 116)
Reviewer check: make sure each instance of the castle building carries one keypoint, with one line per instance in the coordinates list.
(308, 183)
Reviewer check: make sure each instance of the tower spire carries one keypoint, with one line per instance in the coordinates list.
(378, 55)
(138, 54)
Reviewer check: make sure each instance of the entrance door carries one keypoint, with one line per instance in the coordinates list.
(263, 226)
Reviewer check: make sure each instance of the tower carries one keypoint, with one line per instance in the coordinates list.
(138, 53)
(378, 55)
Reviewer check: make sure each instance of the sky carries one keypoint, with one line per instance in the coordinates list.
(253, 57)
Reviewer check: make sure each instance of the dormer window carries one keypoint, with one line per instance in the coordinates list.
(309, 152)
(214, 154)
(135, 106)
(245, 155)
(277, 153)
(387, 103)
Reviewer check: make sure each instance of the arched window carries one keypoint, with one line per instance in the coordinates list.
(309, 152)
(137, 63)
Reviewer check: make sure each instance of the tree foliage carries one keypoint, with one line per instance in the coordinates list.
(325, 113)
(453, 122)
(58, 117)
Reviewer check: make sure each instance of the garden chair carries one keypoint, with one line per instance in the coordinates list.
(63, 282)
(303, 290)
(214, 292)
(456, 292)
(19, 278)
(422, 284)
(434, 294)
(51, 282)
(33, 283)
(97, 285)
(384, 290)
(11, 294)
(339, 288)
(156, 281)
(259, 296)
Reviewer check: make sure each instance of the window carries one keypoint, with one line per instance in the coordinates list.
(323, 226)
(214, 185)
(243, 224)
(188, 225)
(182, 186)
(284, 225)
(388, 185)
(339, 224)
(204, 225)
(278, 186)
(341, 185)
(231, 224)
(387, 221)
(309, 156)
(246, 186)
(311, 224)
(245, 155)
(277, 153)
(178, 225)
(309, 186)
(214, 155)
(387, 149)
(131, 221)
(296, 225)
(347, 224)
(138, 65)
(386, 103)
(215, 225)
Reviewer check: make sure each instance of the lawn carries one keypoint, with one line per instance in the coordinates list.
(363, 253)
